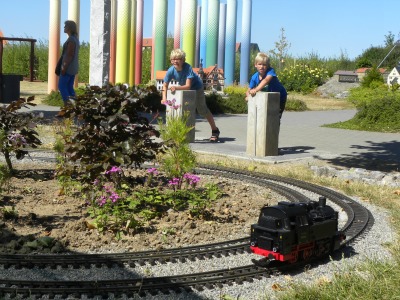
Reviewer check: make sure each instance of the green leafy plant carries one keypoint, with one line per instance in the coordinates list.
(178, 157)
(111, 130)
(9, 212)
(5, 177)
(17, 130)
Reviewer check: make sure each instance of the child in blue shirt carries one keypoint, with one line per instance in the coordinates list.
(187, 79)
(266, 80)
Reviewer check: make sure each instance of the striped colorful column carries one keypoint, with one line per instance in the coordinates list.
(74, 15)
(245, 43)
(113, 40)
(198, 33)
(189, 7)
(54, 44)
(123, 44)
(132, 56)
(221, 35)
(177, 27)
(212, 32)
(74, 11)
(139, 42)
(160, 12)
(230, 42)
(203, 34)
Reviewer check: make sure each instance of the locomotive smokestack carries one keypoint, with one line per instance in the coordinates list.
(322, 201)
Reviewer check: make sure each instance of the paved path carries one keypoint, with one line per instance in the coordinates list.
(301, 137)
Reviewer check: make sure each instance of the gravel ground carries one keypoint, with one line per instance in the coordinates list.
(369, 246)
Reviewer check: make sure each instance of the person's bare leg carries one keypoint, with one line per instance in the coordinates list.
(211, 121)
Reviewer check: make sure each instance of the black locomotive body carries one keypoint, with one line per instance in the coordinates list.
(290, 231)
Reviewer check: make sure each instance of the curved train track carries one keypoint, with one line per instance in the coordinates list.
(358, 222)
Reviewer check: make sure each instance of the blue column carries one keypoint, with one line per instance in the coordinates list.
(245, 43)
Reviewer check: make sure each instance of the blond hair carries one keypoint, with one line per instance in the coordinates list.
(178, 53)
(262, 58)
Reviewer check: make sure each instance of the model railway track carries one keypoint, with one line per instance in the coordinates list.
(359, 220)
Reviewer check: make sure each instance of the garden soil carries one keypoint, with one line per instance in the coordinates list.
(36, 217)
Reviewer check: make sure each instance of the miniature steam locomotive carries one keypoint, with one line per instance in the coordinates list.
(290, 231)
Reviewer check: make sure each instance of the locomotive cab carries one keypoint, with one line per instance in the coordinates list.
(276, 228)
(289, 230)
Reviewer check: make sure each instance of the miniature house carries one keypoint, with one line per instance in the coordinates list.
(213, 78)
(394, 76)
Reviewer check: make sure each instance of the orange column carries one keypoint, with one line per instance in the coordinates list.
(54, 44)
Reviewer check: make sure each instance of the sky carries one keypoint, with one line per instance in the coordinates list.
(328, 28)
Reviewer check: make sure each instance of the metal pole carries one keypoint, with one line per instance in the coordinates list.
(395, 44)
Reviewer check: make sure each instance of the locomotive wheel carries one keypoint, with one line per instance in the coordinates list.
(307, 254)
(294, 258)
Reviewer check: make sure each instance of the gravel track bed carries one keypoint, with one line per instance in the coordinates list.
(369, 246)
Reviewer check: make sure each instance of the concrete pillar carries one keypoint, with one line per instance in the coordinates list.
(100, 17)
(263, 124)
(185, 102)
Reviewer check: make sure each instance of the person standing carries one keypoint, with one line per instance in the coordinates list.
(266, 80)
(183, 73)
(70, 62)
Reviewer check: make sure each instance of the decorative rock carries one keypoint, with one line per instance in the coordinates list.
(359, 174)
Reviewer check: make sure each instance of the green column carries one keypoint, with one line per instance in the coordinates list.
(212, 33)
(160, 12)
(189, 16)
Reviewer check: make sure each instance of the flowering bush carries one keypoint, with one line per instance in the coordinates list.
(121, 206)
(302, 78)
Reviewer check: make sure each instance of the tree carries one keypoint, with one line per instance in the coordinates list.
(389, 39)
(281, 48)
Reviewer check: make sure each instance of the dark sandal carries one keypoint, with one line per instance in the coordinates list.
(214, 135)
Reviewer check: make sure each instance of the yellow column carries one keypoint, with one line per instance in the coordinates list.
(123, 43)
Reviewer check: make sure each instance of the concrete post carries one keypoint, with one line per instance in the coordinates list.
(185, 101)
(100, 16)
(263, 124)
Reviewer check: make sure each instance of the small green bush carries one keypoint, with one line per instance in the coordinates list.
(372, 77)
(236, 90)
(295, 105)
(302, 78)
(381, 114)
(53, 99)
(233, 104)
